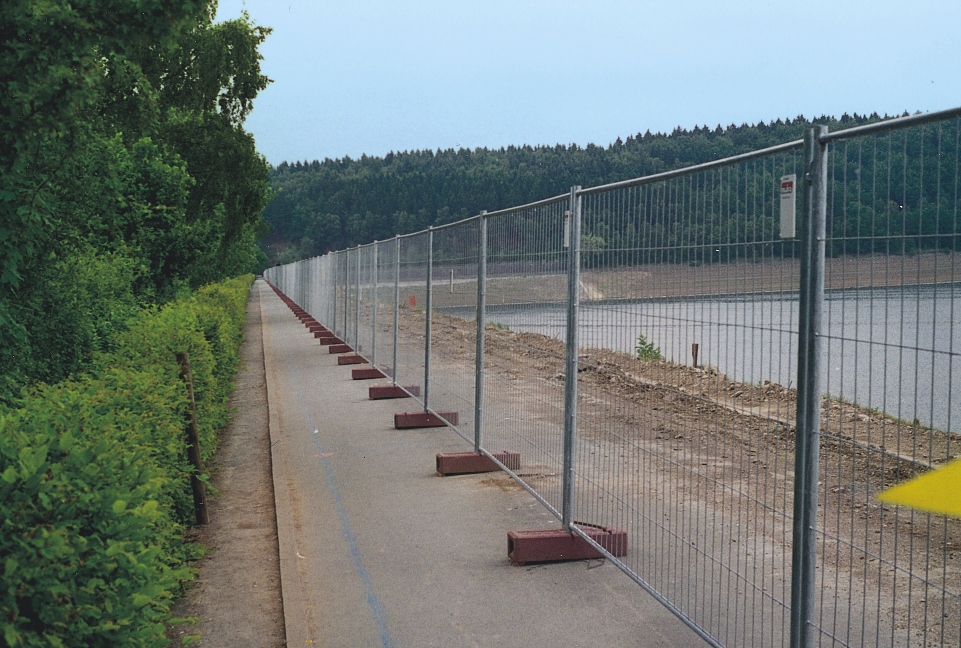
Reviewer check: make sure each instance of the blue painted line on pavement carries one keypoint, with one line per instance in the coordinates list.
(376, 608)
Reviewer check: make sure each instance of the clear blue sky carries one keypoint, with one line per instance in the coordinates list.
(373, 76)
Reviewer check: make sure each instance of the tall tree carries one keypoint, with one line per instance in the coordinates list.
(121, 148)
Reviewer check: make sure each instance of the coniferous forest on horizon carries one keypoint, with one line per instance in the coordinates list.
(327, 205)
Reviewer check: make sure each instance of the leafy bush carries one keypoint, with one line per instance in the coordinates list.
(75, 303)
(94, 480)
(645, 350)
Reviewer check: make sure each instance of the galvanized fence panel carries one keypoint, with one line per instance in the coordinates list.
(688, 329)
(453, 338)
(891, 339)
(365, 270)
(325, 291)
(412, 319)
(657, 350)
(342, 304)
(339, 296)
(523, 402)
(310, 286)
(385, 296)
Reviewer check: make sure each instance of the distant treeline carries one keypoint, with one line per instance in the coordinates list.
(322, 206)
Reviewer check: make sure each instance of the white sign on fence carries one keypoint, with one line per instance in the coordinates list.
(788, 192)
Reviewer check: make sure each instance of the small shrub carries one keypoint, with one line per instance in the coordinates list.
(645, 350)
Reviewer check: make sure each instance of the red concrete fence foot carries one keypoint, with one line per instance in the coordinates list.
(340, 348)
(465, 463)
(408, 420)
(557, 544)
(379, 392)
(351, 360)
(366, 373)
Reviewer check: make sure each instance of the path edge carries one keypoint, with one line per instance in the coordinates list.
(291, 588)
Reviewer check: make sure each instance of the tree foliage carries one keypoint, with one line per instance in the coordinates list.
(125, 172)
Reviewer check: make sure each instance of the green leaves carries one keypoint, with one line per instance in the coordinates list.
(94, 481)
(646, 350)
(125, 173)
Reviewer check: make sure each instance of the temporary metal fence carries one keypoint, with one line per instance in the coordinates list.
(672, 358)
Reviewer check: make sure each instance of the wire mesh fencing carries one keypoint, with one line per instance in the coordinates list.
(727, 374)
(365, 256)
(451, 304)
(386, 301)
(524, 328)
(412, 313)
(889, 576)
(688, 321)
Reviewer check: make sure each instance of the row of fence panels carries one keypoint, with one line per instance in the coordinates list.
(642, 346)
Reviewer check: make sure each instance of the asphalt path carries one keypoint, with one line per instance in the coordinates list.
(377, 550)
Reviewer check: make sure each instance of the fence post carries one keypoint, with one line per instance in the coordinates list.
(427, 306)
(570, 355)
(481, 317)
(807, 437)
(373, 334)
(393, 372)
(193, 443)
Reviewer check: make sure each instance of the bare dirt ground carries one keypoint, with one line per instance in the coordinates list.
(703, 467)
(236, 599)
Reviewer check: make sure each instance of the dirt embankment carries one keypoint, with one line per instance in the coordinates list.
(667, 280)
(657, 429)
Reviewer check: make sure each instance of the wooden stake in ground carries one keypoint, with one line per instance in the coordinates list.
(193, 444)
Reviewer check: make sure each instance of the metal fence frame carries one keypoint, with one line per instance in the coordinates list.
(359, 296)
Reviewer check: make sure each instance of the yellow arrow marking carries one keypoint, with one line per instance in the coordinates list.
(938, 491)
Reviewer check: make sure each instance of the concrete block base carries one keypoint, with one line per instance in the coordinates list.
(464, 463)
(556, 544)
(327, 338)
(408, 420)
(339, 348)
(379, 392)
(366, 374)
(351, 360)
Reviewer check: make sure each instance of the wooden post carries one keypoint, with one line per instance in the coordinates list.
(193, 444)
(694, 350)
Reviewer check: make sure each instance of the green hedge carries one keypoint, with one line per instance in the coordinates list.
(94, 479)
